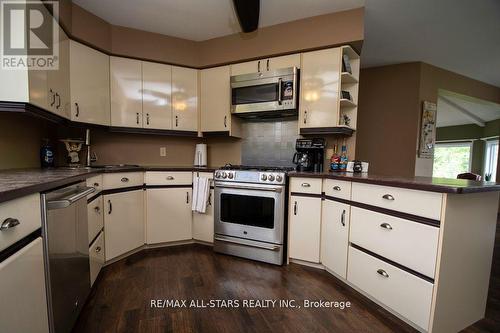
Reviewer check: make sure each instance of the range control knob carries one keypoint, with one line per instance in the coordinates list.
(224, 174)
(271, 178)
(279, 178)
(229, 175)
(217, 174)
(263, 177)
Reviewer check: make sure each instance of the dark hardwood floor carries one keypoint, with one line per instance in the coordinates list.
(120, 299)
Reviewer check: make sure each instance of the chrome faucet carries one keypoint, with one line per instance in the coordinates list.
(91, 157)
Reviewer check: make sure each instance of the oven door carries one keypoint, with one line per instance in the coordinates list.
(250, 95)
(250, 211)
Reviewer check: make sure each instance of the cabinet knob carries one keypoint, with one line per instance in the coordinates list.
(170, 178)
(98, 249)
(337, 188)
(388, 197)
(383, 273)
(96, 184)
(9, 223)
(97, 209)
(386, 226)
(305, 185)
(124, 180)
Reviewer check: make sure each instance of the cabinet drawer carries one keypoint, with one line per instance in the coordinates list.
(420, 203)
(337, 188)
(169, 178)
(96, 257)
(122, 179)
(26, 211)
(401, 291)
(95, 212)
(95, 182)
(408, 243)
(305, 185)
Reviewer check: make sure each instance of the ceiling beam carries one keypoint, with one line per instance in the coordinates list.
(475, 119)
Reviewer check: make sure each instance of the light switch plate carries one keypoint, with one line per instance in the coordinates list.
(163, 151)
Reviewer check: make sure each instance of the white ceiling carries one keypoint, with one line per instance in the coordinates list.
(459, 35)
(205, 19)
(454, 109)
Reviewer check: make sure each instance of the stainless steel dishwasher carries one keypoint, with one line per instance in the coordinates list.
(66, 252)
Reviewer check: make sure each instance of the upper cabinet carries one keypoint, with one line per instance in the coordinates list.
(216, 102)
(264, 65)
(184, 99)
(89, 77)
(58, 81)
(328, 90)
(156, 95)
(126, 92)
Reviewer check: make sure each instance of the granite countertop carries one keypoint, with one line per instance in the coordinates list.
(441, 185)
(15, 183)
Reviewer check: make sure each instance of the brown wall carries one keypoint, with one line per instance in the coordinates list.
(322, 31)
(388, 117)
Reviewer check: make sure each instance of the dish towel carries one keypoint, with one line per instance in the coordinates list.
(201, 191)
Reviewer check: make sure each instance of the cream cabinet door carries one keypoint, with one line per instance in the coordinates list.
(185, 98)
(123, 222)
(246, 67)
(203, 224)
(292, 60)
(335, 236)
(89, 77)
(96, 257)
(319, 88)
(215, 99)
(168, 214)
(58, 81)
(156, 95)
(24, 302)
(126, 92)
(304, 228)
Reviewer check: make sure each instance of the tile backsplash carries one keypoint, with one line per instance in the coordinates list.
(270, 143)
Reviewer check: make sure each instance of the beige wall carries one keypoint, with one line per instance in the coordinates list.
(388, 118)
(317, 32)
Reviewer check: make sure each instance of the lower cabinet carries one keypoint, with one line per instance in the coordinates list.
(335, 236)
(96, 257)
(95, 214)
(169, 216)
(123, 222)
(203, 224)
(24, 303)
(305, 228)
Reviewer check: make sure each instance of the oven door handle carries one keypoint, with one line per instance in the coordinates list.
(270, 248)
(257, 188)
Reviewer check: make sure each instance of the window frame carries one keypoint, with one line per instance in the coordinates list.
(461, 143)
(487, 157)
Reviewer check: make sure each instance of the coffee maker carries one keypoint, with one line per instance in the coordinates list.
(309, 154)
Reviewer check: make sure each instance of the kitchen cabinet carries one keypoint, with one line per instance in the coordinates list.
(123, 222)
(24, 302)
(126, 92)
(335, 236)
(304, 228)
(184, 99)
(215, 101)
(265, 65)
(203, 224)
(89, 78)
(156, 95)
(95, 214)
(169, 216)
(96, 257)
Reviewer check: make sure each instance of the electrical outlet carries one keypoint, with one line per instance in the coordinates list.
(163, 151)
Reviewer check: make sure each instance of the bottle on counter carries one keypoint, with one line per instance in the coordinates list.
(46, 155)
(335, 159)
(343, 158)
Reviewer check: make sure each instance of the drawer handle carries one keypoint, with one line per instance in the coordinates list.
(337, 188)
(124, 179)
(383, 273)
(305, 185)
(170, 178)
(388, 197)
(386, 226)
(98, 249)
(110, 207)
(9, 223)
(342, 218)
(97, 209)
(295, 208)
(187, 197)
(96, 184)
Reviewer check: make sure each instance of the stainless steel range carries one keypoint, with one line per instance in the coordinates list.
(250, 217)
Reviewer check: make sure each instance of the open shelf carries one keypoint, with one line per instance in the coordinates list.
(347, 77)
(346, 103)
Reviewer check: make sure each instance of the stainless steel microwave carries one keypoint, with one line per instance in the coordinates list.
(265, 94)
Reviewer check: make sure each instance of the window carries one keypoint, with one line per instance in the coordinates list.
(490, 160)
(451, 159)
